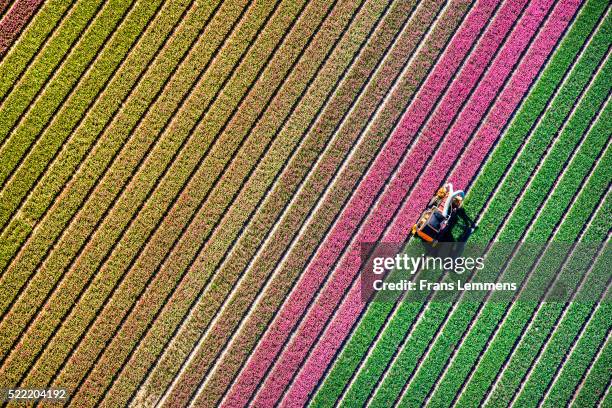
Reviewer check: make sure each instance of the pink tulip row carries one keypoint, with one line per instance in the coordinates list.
(408, 173)
(14, 21)
(509, 99)
(391, 154)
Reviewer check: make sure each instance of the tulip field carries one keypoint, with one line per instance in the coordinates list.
(186, 185)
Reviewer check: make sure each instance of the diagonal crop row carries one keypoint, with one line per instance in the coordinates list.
(220, 32)
(560, 341)
(51, 59)
(59, 270)
(327, 127)
(560, 235)
(56, 263)
(489, 178)
(522, 311)
(159, 285)
(14, 20)
(56, 132)
(581, 358)
(435, 169)
(98, 290)
(5, 6)
(67, 167)
(378, 312)
(597, 382)
(490, 322)
(458, 97)
(84, 56)
(572, 323)
(237, 124)
(34, 38)
(69, 195)
(541, 324)
(512, 230)
(225, 379)
(53, 94)
(153, 158)
(339, 146)
(450, 333)
(281, 145)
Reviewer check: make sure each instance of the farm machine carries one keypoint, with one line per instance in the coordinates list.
(436, 219)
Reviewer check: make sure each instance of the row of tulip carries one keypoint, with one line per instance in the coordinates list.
(522, 313)
(68, 56)
(147, 286)
(514, 228)
(55, 202)
(392, 151)
(67, 109)
(116, 298)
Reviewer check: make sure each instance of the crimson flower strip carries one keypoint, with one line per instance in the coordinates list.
(482, 142)
(217, 337)
(363, 199)
(474, 110)
(506, 104)
(4, 5)
(14, 20)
